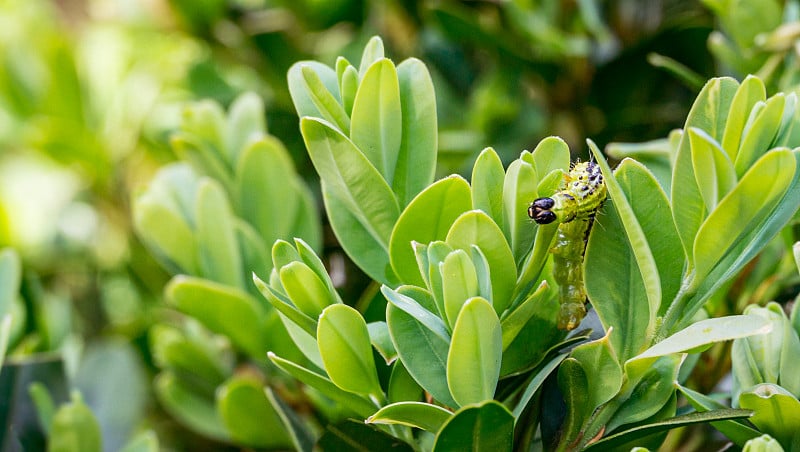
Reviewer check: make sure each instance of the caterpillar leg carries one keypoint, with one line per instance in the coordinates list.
(570, 315)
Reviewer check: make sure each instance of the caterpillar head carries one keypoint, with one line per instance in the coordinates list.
(540, 212)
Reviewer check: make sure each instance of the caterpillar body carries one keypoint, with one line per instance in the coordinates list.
(580, 195)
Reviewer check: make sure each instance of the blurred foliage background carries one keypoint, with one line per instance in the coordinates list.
(92, 90)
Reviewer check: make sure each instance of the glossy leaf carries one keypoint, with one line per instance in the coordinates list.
(221, 309)
(519, 190)
(296, 430)
(716, 175)
(345, 348)
(552, 153)
(376, 127)
(265, 189)
(245, 124)
(373, 52)
(413, 414)
(649, 385)
(636, 433)
(777, 412)
(459, 283)
(487, 186)
(283, 305)
(423, 353)
(707, 332)
(422, 315)
(485, 426)
(248, 415)
(357, 436)
(402, 386)
(473, 361)
(735, 430)
(416, 161)
(307, 292)
(74, 428)
(532, 343)
(597, 358)
(574, 384)
(348, 400)
(747, 204)
(763, 443)
(709, 114)
(476, 228)
(189, 408)
(515, 320)
(535, 383)
(759, 135)
(380, 339)
(219, 255)
(750, 92)
(427, 218)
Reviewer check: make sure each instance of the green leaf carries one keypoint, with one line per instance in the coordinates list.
(709, 113)
(299, 89)
(360, 205)
(373, 52)
(649, 385)
(416, 161)
(204, 157)
(245, 124)
(473, 362)
(190, 409)
(735, 430)
(476, 228)
(759, 135)
(413, 414)
(485, 426)
(380, 339)
(763, 358)
(355, 436)
(427, 218)
(487, 185)
(763, 443)
(410, 306)
(574, 384)
(552, 153)
(5, 333)
(248, 415)
(423, 353)
(513, 322)
(219, 255)
(348, 400)
(376, 127)
(519, 190)
(750, 92)
(612, 441)
(221, 309)
(345, 348)
(533, 342)
(310, 258)
(308, 293)
(459, 283)
(597, 358)
(715, 170)
(146, 441)
(179, 352)
(777, 412)
(74, 428)
(402, 386)
(535, 383)
(323, 99)
(707, 332)
(747, 205)
(300, 437)
(283, 305)
(348, 85)
(265, 189)
(45, 407)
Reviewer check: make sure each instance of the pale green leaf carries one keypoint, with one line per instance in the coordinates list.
(473, 362)
(413, 414)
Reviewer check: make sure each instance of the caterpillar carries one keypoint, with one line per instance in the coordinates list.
(573, 207)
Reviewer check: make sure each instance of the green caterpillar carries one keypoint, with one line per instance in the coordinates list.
(581, 193)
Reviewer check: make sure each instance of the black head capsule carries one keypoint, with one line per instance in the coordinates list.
(540, 212)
